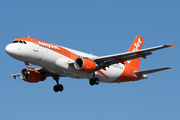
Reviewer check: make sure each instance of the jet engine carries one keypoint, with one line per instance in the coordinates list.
(85, 65)
(30, 75)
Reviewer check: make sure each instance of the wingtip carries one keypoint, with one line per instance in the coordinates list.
(169, 68)
(172, 45)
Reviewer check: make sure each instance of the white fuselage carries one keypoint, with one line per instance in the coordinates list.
(57, 63)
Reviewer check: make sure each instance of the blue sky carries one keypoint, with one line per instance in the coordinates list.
(100, 27)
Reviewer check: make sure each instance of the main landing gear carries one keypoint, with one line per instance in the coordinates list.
(94, 81)
(57, 87)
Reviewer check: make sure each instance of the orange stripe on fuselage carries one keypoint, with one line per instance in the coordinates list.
(52, 47)
(127, 75)
(99, 71)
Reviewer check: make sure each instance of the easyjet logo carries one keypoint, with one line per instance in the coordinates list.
(48, 45)
(136, 47)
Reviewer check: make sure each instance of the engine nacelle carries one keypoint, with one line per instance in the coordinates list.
(85, 65)
(30, 75)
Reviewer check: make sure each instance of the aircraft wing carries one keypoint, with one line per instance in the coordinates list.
(116, 58)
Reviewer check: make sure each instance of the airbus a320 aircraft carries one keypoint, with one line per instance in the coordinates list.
(57, 61)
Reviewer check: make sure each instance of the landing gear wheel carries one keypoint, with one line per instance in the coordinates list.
(58, 88)
(91, 82)
(94, 81)
(97, 81)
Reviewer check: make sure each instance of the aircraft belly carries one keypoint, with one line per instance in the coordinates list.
(73, 73)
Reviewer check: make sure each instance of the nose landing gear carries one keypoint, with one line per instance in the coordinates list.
(27, 63)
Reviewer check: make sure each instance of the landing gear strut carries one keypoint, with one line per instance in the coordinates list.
(57, 87)
(94, 81)
(27, 63)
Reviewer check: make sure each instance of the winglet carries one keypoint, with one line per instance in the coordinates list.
(172, 45)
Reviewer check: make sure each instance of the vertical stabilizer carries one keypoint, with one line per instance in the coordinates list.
(136, 45)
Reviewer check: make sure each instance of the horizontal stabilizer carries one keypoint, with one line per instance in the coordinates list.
(151, 71)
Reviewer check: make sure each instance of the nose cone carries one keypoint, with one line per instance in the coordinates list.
(15, 51)
(9, 49)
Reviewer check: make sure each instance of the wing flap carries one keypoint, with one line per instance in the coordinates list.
(114, 61)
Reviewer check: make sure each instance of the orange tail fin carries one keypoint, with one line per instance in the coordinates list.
(136, 45)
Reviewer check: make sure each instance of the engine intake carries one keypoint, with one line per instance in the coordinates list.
(85, 65)
(30, 75)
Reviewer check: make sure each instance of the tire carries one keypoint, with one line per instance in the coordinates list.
(97, 81)
(60, 87)
(55, 88)
(91, 82)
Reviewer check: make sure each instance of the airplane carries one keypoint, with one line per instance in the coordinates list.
(57, 61)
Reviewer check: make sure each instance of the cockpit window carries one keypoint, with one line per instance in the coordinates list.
(19, 41)
(15, 41)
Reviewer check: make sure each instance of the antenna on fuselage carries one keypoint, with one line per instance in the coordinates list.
(28, 36)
